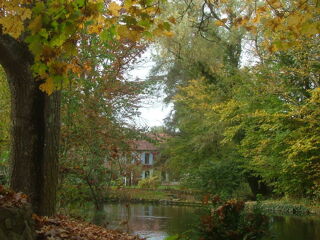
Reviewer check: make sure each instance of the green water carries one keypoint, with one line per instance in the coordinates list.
(155, 222)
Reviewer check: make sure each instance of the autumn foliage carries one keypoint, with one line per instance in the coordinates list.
(9, 198)
(228, 220)
(53, 30)
(60, 227)
(243, 77)
(50, 39)
(63, 228)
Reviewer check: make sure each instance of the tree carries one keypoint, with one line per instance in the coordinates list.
(35, 128)
(202, 70)
(96, 112)
(249, 116)
(39, 43)
(285, 25)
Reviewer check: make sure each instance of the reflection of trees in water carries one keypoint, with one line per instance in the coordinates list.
(169, 220)
(128, 217)
(145, 219)
(162, 219)
(100, 218)
(121, 214)
(148, 210)
(295, 228)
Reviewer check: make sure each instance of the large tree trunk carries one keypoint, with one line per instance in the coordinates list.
(35, 128)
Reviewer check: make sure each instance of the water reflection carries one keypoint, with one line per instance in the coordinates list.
(295, 228)
(155, 222)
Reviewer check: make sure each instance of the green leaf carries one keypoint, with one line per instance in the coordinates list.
(105, 35)
(43, 33)
(36, 24)
(166, 26)
(58, 79)
(35, 44)
(174, 237)
(55, 25)
(57, 41)
(39, 8)
(130, 20)
(40, 68)
(145, 23)
(80, 3)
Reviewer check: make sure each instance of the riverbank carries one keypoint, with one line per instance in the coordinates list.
(281, 207)
(61, 227)
(154, 195)
(17, 221)
(191, 198)
(154, 221)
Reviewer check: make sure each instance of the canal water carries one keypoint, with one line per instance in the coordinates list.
(156, 222)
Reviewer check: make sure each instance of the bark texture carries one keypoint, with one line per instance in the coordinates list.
(35, 128)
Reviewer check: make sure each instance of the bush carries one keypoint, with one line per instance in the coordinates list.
(151, 182)
(227, 220)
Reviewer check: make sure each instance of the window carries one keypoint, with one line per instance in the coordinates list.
(147, 158)
(146, 174)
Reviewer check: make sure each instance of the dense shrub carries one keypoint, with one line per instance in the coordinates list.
(151, 182)
(227, 220)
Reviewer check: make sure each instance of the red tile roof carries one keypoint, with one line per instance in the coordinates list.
(143, 145)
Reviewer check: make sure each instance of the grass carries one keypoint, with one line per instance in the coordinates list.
(160, 194)
(169, 187)
(136, 193)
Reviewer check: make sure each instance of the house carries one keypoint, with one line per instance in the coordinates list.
(146, 155)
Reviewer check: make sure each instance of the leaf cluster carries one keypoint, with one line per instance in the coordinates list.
(261, 118)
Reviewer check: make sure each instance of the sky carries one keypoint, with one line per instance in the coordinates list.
(153, 110)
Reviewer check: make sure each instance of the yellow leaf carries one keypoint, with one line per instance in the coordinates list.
(168, 34)
(272, 48)
(47, 86)
(12, 26)
(94, 29)
(114, 9)
(26, 13)
(275, 3)
(151, 10)
(172, 20)
(157, 32)
(36, 24)
(309, 29)
(256, 19)
(293, 20)
(251, 28)
(125, 33)
(219, 23)
(128, 3)
(261, 9)
(13, 17)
